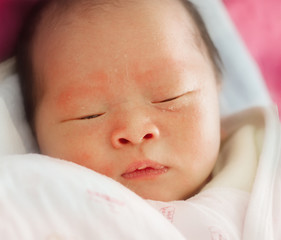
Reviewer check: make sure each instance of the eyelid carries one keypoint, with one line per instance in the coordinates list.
(91, 116)
(86, 117)
(172, 98)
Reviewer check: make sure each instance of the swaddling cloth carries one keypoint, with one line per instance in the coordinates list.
(214, 214)
(42, 198)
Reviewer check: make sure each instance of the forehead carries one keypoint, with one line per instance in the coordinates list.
(136, 34)
(136, 15)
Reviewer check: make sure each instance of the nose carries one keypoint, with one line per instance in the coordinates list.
(134, 133)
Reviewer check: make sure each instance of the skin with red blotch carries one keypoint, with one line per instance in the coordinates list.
(146, 100)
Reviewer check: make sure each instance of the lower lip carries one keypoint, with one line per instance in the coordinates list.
(147, 173)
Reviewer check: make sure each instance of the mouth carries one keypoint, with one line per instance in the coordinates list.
(144, 170)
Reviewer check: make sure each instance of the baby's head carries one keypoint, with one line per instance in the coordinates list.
(127, 88)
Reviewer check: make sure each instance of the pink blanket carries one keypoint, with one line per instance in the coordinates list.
(258, 21)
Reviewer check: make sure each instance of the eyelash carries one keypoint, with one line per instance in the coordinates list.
(91, 116)
(170, 99)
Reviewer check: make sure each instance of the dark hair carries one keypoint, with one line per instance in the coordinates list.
(24, 64)
(212, 51)
(29, 87)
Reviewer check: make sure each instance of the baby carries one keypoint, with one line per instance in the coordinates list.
(130, 89)
(126, 88)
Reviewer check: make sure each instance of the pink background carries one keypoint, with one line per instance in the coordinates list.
(259, 22)
(12, 13)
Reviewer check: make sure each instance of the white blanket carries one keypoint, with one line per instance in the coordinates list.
(51, 199)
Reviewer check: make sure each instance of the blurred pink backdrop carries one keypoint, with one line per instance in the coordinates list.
(12, 14)
(259, 22)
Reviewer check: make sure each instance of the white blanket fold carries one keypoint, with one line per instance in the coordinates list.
(46, 198)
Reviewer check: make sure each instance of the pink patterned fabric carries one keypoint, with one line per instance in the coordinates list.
(259, 24)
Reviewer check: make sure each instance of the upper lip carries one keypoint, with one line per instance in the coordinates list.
(139, 165)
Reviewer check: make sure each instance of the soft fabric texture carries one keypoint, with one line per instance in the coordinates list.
(234, 205)
(217, 213)
(15, 134)
(46, 198)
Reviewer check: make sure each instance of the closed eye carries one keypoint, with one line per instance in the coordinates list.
(88, 117)
(171, 99)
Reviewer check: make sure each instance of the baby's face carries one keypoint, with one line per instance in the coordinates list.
(128, 93)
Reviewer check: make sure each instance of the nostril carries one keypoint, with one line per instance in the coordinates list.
(148, 136)
(123, 141)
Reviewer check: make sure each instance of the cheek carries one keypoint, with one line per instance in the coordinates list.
(198, 147)
(89, 146)
(196, 131)
(87, 149)
(83, 143)
(93, 161)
